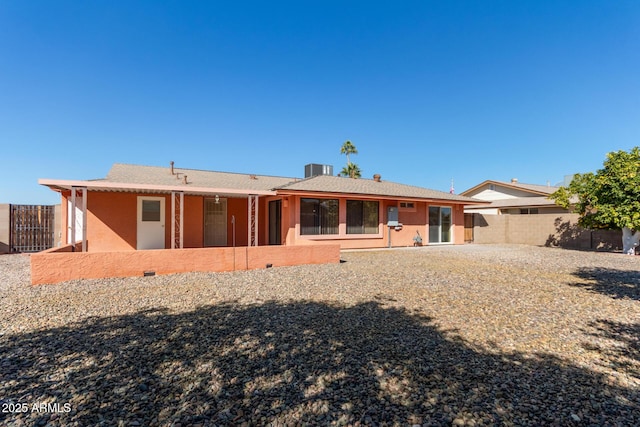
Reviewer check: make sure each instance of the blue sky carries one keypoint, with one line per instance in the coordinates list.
(428, 91)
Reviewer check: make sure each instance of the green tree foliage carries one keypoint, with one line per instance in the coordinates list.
(351, 169)
(609, 198)
(348, 148)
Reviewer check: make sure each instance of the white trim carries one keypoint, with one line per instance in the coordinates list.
(83, 191)
(72, 216)
(252, 220)
(179, 207)
(452, 235)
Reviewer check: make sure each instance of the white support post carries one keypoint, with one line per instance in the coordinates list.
(83, 191)
(73, 234)
(181, 220)
(177, 219)
(73, 218)
(252, 231)
(249, 219)
(173, 220)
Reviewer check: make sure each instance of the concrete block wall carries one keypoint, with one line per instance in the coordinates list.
(542, 230)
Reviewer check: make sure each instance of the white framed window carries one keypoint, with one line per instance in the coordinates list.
(440, 224)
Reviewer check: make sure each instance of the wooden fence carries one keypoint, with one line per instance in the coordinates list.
(32, 228)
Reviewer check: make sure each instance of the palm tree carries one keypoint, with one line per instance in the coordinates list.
(351, 170)
(348, 148)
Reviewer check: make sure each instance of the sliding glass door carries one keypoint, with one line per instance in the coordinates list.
(440, 222)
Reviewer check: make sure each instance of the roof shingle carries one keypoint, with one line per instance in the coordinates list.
(161, 176)
(335, 184)
(155, 175)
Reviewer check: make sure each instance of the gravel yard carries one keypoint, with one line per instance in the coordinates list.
(451, 335)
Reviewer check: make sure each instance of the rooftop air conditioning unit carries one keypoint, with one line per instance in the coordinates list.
(314, 169)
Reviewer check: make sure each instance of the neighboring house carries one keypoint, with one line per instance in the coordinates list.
(523, 214)
(145, 207)
(512, 198)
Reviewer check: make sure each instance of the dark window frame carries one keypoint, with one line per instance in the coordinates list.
(319, 216)
(363, 216)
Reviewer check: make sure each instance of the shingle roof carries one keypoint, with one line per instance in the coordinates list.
(155, 175)
(335, 184)
(160, 178)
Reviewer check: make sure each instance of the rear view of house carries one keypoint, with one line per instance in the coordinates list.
(145, 207)
(140, 208)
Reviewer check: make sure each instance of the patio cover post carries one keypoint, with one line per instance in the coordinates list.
(83, 195)
(83, 191)
(73, 219)
(252, 231)
(177, 221)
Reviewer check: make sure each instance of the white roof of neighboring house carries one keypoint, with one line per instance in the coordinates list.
(534, 189)
(511, 195)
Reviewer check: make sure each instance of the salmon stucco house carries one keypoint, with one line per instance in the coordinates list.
(139, 208)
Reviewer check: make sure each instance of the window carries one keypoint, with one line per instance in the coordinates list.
(151, 210)
(407, 206)
(362, 217)
(318, 216)
(528, 211)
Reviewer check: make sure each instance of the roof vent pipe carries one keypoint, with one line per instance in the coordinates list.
(184, 180)
(171, 164)
(514, 180)
(377, 177)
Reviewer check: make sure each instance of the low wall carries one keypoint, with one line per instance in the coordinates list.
(56, 266)
(559, 230)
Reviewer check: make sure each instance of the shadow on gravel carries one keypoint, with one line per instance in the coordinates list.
(292, 363)
(623, 353)
(617, 284)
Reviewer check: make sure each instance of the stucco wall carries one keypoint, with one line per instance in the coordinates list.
(5, 225)
(411, 220)
(59, 265)
(542, 230)
(112, 223)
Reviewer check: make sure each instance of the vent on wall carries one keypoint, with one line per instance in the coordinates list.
(314, 169)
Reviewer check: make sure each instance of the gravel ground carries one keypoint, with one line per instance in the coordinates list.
(451, 335)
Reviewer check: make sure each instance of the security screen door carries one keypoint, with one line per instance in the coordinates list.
(215, 222)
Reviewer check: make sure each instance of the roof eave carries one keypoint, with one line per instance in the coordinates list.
(61, 185)
(290, 192)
